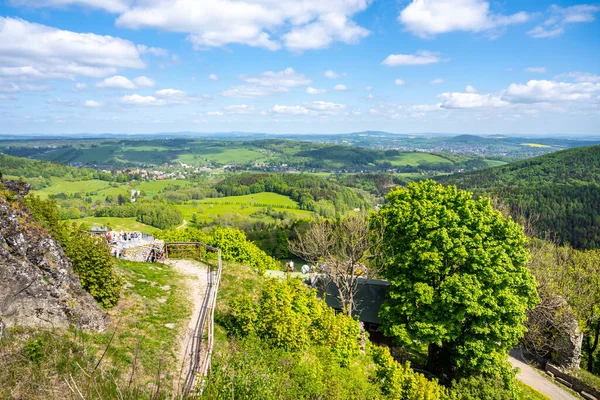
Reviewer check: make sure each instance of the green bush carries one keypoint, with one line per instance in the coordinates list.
(89, 255)
(289, 316)
(480, 388)
(400, 381)
(233, 244)
(94, 265)
(251, 369)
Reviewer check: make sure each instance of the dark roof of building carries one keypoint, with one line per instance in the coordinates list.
(368, 299)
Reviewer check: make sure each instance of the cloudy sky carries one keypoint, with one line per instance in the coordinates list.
(300, 66)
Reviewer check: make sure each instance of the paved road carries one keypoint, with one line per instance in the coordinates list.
(530, 376)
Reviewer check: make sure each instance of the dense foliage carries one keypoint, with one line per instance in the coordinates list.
(288, 316)
(39, 173)
(573, 275)
(89, 255)
(232, 242)
(158, 215)
(459, 279)
(288, 344)
(311, 192)
(93, 263)
(559, 191)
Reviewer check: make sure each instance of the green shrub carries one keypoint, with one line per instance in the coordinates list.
(291, 317)
(400, 382)
(94, 265)
(481, 388)
(251, 369)
(233, 244)
(34, 350)
(89, 255)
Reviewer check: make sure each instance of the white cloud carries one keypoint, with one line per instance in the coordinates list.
(213, 77)
(80, 86)
(539, 32)
(155, 51)
(161, 98)
(116, 82)
(267, 83)
(316, 108)
(536, 91)
(137, 100)
(400, 82)
(580, 77)
(11, 87)
(460, 100)
(290, 110)
(369, 88)
(529, 97)
(324, 106)
(113, 6)
(121, 82)
(340, 87)
(437, 81)
(312, 90)
(426, 18)
(536, 70)
(323, 31)
(298, 25)
(214, 113)
(331, 74)
(286, 78)
(92, 104)
(170, 93)
(248, 91)
(561, 17)
(420, 58)
(34, 51)
(144, 82)
(238, 109)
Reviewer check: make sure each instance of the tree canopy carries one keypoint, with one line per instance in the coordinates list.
(459, 280)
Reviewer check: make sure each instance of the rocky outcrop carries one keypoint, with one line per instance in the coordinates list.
(553, 332)
(37, 284)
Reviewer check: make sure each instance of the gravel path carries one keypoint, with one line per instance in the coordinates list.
(534, 378)
(197, 280)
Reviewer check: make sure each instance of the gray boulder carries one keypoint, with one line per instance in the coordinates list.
(38, 287)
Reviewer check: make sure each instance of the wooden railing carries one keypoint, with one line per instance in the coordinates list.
(200, 361)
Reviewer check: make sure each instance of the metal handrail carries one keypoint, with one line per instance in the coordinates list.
(201, 366)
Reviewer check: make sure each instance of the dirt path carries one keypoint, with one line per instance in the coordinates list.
(532, 377)
(197, 280)
(183, 225)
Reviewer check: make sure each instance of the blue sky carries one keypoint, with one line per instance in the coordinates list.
(291, 66)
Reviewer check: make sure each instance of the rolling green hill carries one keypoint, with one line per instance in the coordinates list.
(561, 191)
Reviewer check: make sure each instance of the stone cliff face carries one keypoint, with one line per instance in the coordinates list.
(37, 284)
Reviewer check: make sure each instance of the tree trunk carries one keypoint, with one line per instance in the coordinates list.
(592, 347)
(432, 358)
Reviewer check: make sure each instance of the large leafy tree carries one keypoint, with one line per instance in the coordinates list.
(459, 280)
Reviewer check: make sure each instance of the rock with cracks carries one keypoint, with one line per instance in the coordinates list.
(38, 287)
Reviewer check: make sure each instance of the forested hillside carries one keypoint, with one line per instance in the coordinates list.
(311, 192)
(560, 192)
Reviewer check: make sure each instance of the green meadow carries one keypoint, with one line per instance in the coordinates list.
(61, 185)
(415, 158)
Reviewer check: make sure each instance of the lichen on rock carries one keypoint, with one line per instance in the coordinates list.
(38, 287)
